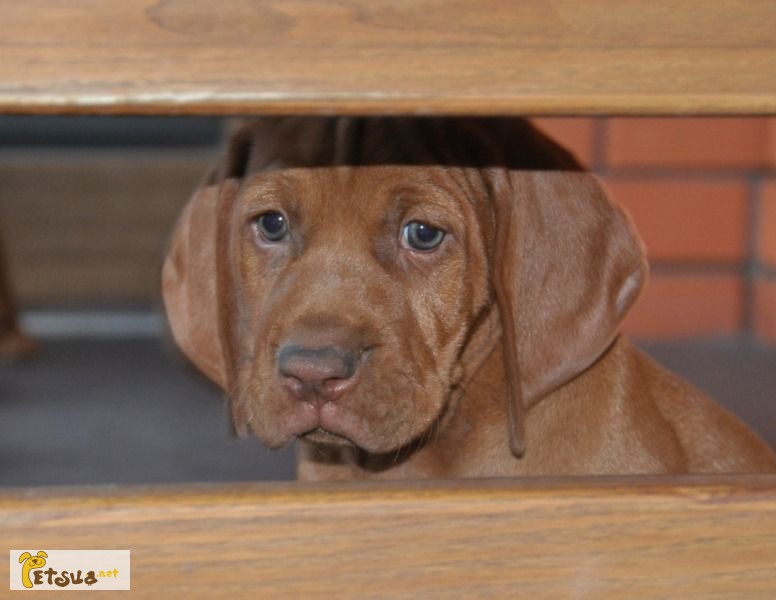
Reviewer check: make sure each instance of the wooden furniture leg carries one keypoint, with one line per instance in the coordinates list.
(14, 344)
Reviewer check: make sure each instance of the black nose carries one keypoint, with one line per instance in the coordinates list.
(317, 373)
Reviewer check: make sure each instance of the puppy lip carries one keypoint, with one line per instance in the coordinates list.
(333, 426)
(336, 429)
(317, 424)
(319, 435)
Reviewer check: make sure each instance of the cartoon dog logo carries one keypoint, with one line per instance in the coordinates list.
(30, 562)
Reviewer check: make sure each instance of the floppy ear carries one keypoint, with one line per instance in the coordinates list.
(24, 556)
(42, 553)
(189, 285)
(190, 275)
(568, 265)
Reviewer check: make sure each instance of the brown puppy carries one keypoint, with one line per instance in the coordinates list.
(430, 298)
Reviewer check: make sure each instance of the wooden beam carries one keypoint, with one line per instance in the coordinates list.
(395, 56)
(690, 538)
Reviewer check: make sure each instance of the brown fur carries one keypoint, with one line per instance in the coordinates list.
(496, 354)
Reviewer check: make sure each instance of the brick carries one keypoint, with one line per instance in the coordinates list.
(766, 228)
(765, 310)
(687, 220)
(688, 142)
(681, 306)
(575, 133)
(771, 142)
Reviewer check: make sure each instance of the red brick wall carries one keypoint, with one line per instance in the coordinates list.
(702, 192)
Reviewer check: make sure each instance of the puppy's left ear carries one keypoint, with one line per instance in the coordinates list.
(189, 283)
(192, 286)
(568, 264)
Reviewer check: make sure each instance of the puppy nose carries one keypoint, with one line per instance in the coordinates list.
(317, 374)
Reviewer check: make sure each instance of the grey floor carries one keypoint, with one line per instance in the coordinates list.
(126, 411)
(120, 411)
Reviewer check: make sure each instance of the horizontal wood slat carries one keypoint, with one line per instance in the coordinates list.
(413, 56)
(591, 538)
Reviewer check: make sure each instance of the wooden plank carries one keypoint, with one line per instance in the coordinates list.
(598, 538)
(413, 56)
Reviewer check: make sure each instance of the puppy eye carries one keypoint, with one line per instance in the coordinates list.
(272, 225)
(421, 236)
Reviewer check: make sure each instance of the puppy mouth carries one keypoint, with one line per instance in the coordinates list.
(319, 435)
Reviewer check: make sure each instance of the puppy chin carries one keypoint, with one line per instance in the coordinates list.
(277, 420)
(326, 438)
(337, 436)
(340, 431)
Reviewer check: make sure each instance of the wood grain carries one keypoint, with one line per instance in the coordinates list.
(596, 538)
(395, 56)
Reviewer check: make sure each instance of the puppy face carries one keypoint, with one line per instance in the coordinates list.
(340, 277)
(351, 293)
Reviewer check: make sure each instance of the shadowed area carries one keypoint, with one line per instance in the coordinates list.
(124, 411)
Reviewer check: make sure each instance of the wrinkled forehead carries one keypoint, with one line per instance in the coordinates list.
(364, 189)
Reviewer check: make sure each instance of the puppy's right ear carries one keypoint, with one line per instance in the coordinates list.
(189, 282)
(190, 274)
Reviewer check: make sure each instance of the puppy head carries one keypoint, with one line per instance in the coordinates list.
(334, 275)
(341, 316)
